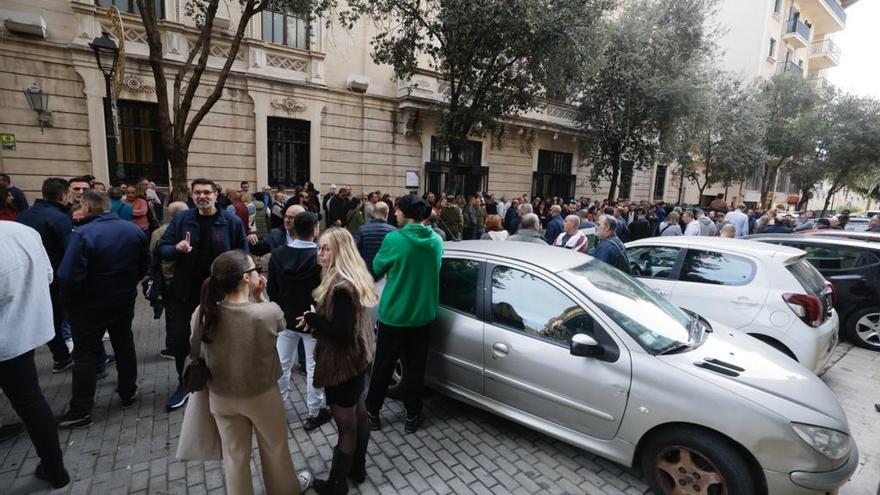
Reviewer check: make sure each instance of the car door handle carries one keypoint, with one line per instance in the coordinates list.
(499, 350)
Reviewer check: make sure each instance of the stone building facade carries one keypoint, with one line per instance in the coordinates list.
(303, 102)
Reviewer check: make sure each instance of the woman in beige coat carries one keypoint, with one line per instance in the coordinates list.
(238, 344)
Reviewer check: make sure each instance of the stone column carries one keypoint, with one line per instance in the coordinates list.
(261, 136)
(93, 81)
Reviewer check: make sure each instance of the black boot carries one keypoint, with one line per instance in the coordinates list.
(359, 464)
(337, 483)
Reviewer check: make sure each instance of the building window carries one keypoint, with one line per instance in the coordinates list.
(772, 52)
(777, 7)
(142, 153)
(286, 28)
(660, 183)
(288, 144)
(130, 6)
(554, 177)
(753, 183)
(465, 177)
(470, 154)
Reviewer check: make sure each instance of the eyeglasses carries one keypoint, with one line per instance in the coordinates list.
(254, 269)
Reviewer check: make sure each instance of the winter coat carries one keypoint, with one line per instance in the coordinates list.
(293, 274)
(368, 240)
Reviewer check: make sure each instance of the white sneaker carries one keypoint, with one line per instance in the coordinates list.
(305, 480)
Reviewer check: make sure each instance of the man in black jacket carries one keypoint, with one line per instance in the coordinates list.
(52, 220)
(277, 237)
(370, 235)
(640, 228)
(294, 273)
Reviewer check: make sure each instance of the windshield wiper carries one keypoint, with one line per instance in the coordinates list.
(679, 347)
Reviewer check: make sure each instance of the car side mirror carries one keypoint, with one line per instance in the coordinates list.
(585, 346)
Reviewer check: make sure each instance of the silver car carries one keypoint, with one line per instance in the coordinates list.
(569, 346)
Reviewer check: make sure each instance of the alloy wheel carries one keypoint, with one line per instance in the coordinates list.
(868, 329)
(684, 471)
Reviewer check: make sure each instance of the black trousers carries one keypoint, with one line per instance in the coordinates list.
(60, 352)
(18, 379)
(180, 314)
(410, 343)
(87, 333)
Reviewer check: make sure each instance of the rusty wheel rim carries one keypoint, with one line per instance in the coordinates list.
(684, 471)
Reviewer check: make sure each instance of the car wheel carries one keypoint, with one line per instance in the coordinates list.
(863, 328)
(397, 387)
(693, 461)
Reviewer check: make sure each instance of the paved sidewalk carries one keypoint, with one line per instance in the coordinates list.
(460, 450)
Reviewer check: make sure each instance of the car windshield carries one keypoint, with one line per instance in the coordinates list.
(655, 323)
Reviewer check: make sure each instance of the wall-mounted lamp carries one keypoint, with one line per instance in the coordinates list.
(39, 102)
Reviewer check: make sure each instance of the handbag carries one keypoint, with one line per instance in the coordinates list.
(199, 435)
(195, 370)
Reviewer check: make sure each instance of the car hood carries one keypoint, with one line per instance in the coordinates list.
(753, 370)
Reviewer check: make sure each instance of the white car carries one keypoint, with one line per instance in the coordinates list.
(770, 292)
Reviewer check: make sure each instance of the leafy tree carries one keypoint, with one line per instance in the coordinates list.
(725, 133)
(497, 56)
(631, 109)
(177, 122)
(849, 147)
(791, 125)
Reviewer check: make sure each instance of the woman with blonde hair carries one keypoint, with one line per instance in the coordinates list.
(238, 328)
(346, 344)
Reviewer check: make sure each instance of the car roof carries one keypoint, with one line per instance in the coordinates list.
(817, 239)
(864, 236)
(741, 246)
(548, 257)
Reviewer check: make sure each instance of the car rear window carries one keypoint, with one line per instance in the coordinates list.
(807, 275)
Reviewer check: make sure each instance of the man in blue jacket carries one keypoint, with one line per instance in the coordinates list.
(610, 249)
(369, 236)
(556, 224)
(104, 260)
(193, 240)
(51, 219)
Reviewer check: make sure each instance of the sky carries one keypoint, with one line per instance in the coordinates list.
(859, 69)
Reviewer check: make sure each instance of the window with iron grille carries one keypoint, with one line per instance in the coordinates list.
(553, 177)
(471, 152)
(288, 144)
(130, 6)
(142, 154)
(286, 28)
(626, 179)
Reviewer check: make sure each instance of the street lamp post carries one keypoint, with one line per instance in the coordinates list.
(106, 52)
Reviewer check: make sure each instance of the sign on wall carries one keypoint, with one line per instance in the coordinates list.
(412, 179)
(7, 141)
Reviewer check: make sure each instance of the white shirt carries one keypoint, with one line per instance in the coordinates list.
(739, 220)
(25, 307)
(692, 228)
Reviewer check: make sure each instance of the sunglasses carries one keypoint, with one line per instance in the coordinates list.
(254, 269)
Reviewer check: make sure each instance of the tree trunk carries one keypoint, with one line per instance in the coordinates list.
(615, 176)
(831, 192)
(179, 186)
(806, 196)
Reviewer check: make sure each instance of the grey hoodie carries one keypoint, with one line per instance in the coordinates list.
(707, 227)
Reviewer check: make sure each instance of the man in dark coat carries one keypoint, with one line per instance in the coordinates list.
(369, 236)
(103, 262)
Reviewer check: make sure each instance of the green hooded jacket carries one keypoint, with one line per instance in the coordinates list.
(410, 257)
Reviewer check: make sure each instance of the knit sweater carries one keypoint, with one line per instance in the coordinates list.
(241, 355)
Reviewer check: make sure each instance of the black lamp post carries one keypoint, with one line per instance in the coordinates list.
(106, 52)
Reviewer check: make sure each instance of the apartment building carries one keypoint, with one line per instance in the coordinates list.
(763, 38)
(303, 102)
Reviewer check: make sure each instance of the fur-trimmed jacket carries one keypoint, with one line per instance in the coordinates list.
(346, 341)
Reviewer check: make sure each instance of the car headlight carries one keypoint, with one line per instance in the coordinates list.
(830, 443)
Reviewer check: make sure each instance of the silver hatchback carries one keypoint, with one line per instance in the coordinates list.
(567, 345)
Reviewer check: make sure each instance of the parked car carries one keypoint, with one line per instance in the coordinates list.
(857, 224)
(771, 293)
(853, 267)
(846, 234)
(574, 348)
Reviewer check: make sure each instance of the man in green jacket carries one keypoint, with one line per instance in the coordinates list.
(410, 258)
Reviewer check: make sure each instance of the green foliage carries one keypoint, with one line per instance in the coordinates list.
(725, 133)
(497, 56)
(633, 107)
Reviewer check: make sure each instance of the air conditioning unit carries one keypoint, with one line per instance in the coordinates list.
(358, 84)
(24, 24)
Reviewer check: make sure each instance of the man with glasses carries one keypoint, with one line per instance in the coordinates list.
(193, 240)
(277, 237)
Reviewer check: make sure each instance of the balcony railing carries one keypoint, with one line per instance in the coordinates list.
(825, 47)
(797, 26)
(835, 7)
(820, 84)
(790, 67)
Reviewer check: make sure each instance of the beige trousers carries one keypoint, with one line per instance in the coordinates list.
(237, 420)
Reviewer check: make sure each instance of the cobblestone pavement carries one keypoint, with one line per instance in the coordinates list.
(459, 450)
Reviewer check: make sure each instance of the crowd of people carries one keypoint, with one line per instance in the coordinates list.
(250, 284)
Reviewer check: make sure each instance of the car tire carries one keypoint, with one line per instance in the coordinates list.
(692, 460)
(397, 386)
(863, 328)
